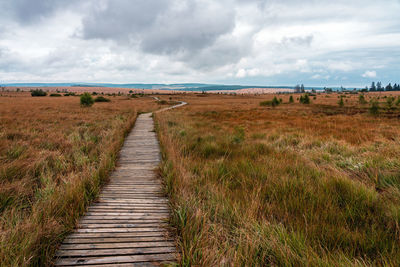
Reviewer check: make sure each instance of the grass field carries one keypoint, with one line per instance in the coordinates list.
(54, 156)
(296, 184)
(250, 184)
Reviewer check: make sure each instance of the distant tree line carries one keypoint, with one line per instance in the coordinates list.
(375, 87)
(378, 87)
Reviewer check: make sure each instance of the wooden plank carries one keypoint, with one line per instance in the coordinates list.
(136, 244)
(117, 259)
(127, 213)
(119, 230)
(131, 264)
(131, 190)
(153, 237)
(129, 206)
(116, 251)
(130, 201)
(121, 225)
(126, 217)
(106, 222)
(129, 209)
(133, 205)
(114, 235)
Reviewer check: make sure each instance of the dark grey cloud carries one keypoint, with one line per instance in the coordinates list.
(159, 26)
(121, 20)
(31, 11)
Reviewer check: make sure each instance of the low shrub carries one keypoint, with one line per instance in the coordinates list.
(69, 94)
(390, 102)
(305, 99)
(340, 102)
(38, 92)
(361, 100)
(374, 108)
(86, 100)
(55, 95)
(273, 103)
(101, 99)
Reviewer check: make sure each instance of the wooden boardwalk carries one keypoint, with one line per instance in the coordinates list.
(126, 226)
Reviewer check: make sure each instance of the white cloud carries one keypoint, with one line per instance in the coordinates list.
(369, 74)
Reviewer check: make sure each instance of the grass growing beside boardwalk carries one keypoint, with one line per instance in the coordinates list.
(292, 185)
(54, 156)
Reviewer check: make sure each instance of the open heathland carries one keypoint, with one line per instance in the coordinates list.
(311, 183)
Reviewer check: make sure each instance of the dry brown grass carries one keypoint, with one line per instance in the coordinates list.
(54, 157)
(297, 184)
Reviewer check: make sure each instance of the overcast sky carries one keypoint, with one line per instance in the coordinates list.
(315, 42)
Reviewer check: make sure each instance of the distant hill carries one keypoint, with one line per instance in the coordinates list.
(159, 86)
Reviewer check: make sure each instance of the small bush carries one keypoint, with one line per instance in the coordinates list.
(374, 108)
(361, 100)
(38, 92)
(390, 102)
(87, 100)
(291, 100)
(162, 102)
(69, 94)
(273, 103)
(398, 101)
(341, 103)
(101, 99)
(134, 96)
(55, 94)
(305, 99)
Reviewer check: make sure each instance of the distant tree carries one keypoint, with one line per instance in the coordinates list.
(297, 88)
(302, 88)
(313, 91)
(389, 87)
(379, 86)
(373, 87)
(291, 100)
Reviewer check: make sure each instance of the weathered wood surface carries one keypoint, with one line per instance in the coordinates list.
(126, 226)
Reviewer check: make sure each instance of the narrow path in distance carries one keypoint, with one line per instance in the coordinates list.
(126, 225)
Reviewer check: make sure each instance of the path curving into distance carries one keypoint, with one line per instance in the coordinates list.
(126, 226)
